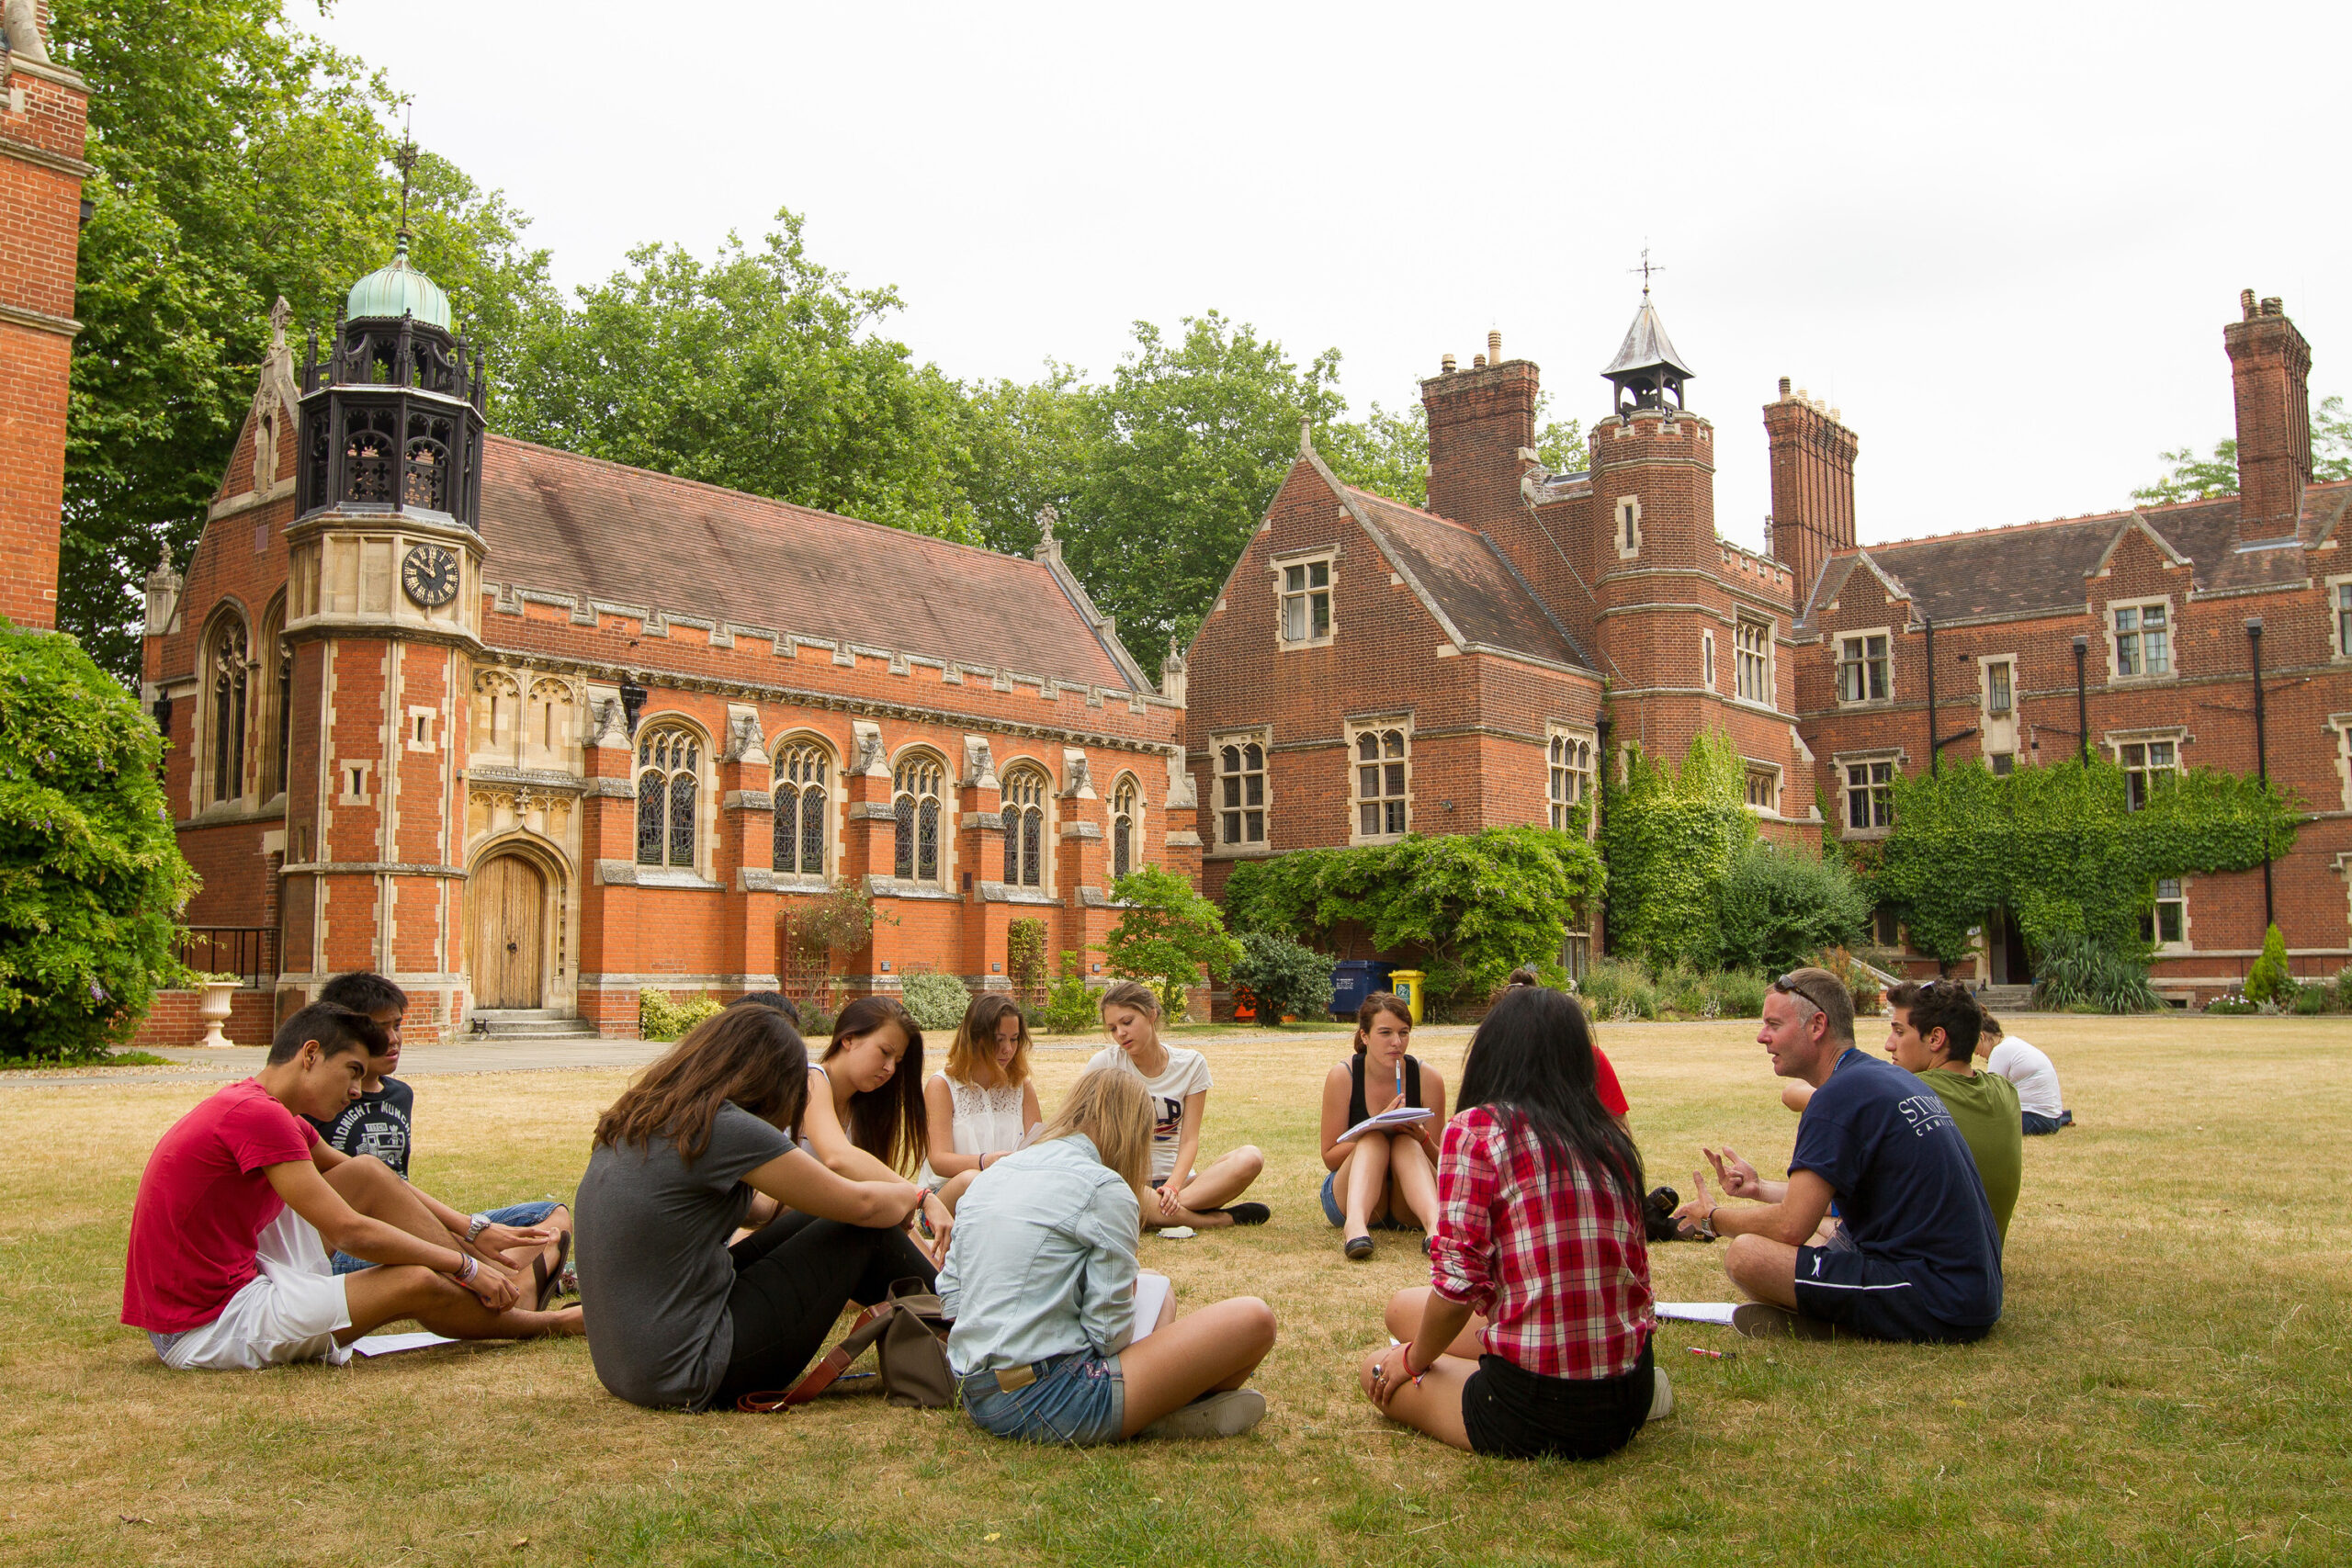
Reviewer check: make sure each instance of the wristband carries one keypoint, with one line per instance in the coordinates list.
(467, 1270)
(479, 1224)
(1407, 1364)
(1707, 1223)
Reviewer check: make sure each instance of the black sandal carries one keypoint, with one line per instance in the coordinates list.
(550, 1280)
(1357, 1247)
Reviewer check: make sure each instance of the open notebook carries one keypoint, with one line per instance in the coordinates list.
(1388, 1121)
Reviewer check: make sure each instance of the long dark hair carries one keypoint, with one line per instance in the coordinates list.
(748, 1056)
(1531, 1064)
(888, 1123)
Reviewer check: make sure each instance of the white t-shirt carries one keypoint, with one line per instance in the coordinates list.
(988, 1121)
(2034, 1073)
(1187, 1074)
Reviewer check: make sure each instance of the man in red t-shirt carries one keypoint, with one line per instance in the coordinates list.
(240, 1202)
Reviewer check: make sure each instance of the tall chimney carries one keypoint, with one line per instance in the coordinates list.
(2270, 367)
(1494, 346)
(1813, 484)
(1479, 419)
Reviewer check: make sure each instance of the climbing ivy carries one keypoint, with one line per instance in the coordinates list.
(1478, 905)
(1669, 835)
(2059, 848)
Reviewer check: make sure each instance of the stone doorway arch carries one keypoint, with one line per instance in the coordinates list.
(513, 904)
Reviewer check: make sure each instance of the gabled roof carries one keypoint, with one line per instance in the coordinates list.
(2042, 567)
(560, 523)
(1648, 346)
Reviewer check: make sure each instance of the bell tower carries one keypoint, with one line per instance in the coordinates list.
(383, 611)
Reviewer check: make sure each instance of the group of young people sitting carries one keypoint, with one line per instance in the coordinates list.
(738, 1197)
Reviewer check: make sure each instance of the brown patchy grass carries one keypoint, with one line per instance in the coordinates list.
(2169, 1385)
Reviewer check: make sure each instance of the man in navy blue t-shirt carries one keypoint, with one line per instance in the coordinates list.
(1915, 1255)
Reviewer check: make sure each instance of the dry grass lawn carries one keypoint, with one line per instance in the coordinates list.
(2169, 1385)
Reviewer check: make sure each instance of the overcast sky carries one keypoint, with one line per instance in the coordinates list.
(2004, 240)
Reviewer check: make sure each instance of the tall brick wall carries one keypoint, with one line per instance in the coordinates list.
(43, 114)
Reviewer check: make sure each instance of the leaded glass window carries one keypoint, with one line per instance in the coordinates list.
(1025, 827)
(1381, 766)
(1241, 794)
(1571, 776)
(915, 804)
(1125, 826)
(230, 671)
(669, 791)
(801, 771)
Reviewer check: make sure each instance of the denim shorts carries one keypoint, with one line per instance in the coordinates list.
(515, 1214)
(1338, 1215)
(1082, 1400)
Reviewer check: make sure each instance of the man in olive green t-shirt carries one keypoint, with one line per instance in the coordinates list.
(1932, 1031)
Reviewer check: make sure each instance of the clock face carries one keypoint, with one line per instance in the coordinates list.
(429, 576)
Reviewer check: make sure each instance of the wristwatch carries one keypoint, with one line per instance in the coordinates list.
(478, 1223)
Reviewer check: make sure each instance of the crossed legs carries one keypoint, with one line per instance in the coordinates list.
(382, 1295)
(1203, 1352)
(1434, 1404)
(1213, 1187)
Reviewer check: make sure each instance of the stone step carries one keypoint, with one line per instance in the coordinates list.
(535, 1026)
(2005, 998)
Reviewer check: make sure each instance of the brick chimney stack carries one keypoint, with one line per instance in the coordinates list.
(2270, 367)
(1479, 419)
(1813, 483)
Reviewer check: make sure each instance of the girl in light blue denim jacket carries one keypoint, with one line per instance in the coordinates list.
(1040, 1279)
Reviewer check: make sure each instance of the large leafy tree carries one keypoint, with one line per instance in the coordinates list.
(2192, 478)
(238, 160)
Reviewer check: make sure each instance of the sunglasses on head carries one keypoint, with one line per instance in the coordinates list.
(1794, 987)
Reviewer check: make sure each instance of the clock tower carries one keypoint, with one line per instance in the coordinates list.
(383, 611)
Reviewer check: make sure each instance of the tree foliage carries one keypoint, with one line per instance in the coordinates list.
(1289, 980)
(91, 879)
(1167, 933)
(1478, 905)
(1670, 835)
(1777, 909)
(2059, 848)
(1389, 454)
(238, 160)
(2268, 980)
(2192, 478)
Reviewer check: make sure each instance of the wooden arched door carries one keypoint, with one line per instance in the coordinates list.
(510, 933)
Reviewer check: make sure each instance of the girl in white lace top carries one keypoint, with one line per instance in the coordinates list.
(984, 1103)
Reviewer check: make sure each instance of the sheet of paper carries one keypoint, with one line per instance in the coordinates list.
(1697, 1312)
(393, 1344)
(1152, 1293)
(1387, 1121)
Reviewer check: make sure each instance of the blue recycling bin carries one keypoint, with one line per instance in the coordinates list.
(1353, 980)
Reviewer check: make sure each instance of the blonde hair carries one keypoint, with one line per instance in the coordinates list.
(1111, 1106)
(975, 1043)
(1130, 994)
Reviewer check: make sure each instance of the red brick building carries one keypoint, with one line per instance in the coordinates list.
(1371, 670)
(43, 113)
(528, 731)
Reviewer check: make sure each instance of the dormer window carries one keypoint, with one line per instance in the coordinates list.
(2143, 640)
(1862, 675)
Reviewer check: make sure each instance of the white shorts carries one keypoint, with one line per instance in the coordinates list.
(288, 1312)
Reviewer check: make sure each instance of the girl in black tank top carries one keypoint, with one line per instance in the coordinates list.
(1385, 1180)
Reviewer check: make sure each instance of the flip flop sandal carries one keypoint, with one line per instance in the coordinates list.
(1357, 1247)
(550, 1280)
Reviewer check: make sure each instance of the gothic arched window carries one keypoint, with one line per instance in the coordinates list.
(668, 789)
(277, 710)
(914, 785)
(1126, 826)
(228, 670)
(1025, 827)
(801, 770)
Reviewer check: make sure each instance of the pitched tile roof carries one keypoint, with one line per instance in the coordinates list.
(2039, 567)
(564, 523)
(1470, 580)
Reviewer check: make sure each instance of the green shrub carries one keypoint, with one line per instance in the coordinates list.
(934, 1002)
(816, 1019)
(1684, 990)
(1615, 990)
(659, 1018)
(2313, 1000)
(2232, 1005)
(2268, 981)
(1167, 933)
(1740, 993)
(91, 879)
(2072, 971)
(1070, 1007)
(1287, 979)
(1775, 908)
(1025, 959)
(1861, 987)
(1669, 835)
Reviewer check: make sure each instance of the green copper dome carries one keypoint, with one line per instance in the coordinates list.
(396, 289)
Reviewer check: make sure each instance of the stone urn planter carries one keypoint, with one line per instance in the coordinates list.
(214, 1011)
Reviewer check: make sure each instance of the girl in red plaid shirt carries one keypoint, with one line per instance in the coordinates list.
(1533, 1336)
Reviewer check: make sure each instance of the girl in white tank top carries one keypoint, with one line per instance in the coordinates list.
(984, 1103)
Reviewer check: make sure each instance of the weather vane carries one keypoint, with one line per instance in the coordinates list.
(1646, 269)
(406, 159)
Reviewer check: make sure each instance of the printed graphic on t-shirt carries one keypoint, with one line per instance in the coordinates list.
(1167, 1119)
(376, 1124)
(1923, 1111)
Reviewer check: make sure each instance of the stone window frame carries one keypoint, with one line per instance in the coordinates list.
(1012, 810)
(1582, 784)
(1393, 806)
(1707, 659)
(2339, 725)
(696, 872)
(1261, 736)
(2177, 736)
(218, 730)
(920, 775)
(1986, 665)
(1625, 526)
(1771, 776)
(1861, 662)
(1305, 561)
(273, 715)
(2171, 671)
(1126, 815)
(2337, 592)
(1844, 761)
(802, 748)
(2179, 896)
(1766, 655)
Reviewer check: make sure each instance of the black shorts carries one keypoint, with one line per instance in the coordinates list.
(1511, 1413)
(1871, 1297)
